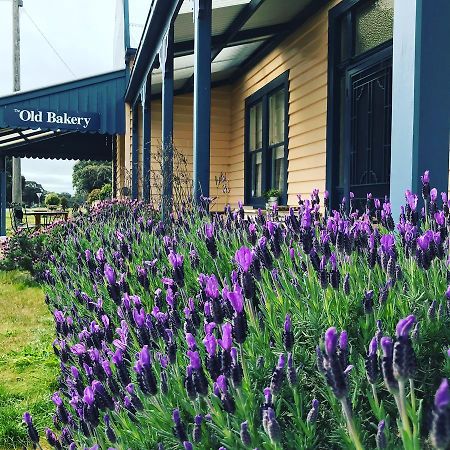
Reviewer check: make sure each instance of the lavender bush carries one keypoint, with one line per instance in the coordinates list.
(321, 330)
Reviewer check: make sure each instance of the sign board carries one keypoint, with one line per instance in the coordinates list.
(53, 120)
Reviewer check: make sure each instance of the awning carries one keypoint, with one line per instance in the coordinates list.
(74, 120)
(243, 31)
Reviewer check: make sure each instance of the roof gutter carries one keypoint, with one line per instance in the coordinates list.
(158, 22)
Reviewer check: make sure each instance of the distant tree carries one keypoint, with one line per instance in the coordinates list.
(68, 199)
(89, 175)
(30, 191)
(93, 196)
(52, 199)
(106, 192)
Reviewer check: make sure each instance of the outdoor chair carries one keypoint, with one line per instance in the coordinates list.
(19, 220)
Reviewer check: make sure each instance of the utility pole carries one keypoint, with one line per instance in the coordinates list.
(16, 166)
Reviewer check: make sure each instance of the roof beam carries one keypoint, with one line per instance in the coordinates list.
(234, 28)
(242, 37)
(288, 28)
(161, 15)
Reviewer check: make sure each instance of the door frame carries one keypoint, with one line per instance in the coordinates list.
(374, 60)
(335, 72)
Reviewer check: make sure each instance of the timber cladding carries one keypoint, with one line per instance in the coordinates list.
(304, 55)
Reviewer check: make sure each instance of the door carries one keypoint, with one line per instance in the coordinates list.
(367, 138)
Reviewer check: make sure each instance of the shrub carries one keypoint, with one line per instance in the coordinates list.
(93, 196)
(106, 192)
(64, 203)
(52, 199)
(221, 330)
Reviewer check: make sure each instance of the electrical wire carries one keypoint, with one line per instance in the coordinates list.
(48, 42)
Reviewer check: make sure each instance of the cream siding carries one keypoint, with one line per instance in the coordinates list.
(304, 54)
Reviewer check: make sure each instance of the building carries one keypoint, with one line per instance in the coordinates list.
(288, 94)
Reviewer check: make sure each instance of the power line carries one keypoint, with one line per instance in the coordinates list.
(48, 42)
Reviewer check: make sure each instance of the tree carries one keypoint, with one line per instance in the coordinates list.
(52, 199)
(89, 175)
(30, 190)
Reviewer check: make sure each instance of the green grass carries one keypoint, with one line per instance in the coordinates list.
(28, 367)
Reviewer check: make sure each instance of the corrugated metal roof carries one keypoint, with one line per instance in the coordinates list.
(100, 94)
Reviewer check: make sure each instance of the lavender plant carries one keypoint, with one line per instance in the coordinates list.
(200, 333)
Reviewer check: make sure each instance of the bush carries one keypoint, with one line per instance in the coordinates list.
(214, 327)
(106, 192)
(52, 199)
(93, 196)
(64, 203)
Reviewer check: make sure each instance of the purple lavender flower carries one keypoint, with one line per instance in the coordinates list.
(440, 428)
(244, 258)
(313, 412)
(32, 432)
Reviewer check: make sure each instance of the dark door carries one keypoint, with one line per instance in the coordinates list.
(368, 130)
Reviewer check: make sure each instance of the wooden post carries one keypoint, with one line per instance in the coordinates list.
(166, 59)
(202, 97)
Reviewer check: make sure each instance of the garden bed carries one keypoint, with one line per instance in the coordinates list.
(322, 333)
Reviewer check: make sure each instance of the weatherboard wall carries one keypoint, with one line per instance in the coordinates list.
(304, 54)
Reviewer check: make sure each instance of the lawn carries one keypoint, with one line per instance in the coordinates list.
(28, 367)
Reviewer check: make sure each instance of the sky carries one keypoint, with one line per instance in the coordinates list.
(82, 33)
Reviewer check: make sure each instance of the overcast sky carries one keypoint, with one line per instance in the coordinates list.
(82, 32)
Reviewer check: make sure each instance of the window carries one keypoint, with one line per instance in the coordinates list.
(266, 141)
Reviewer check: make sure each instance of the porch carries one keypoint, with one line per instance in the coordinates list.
(194, 85)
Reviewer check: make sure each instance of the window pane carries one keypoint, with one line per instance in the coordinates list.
(256, 127)
(374, 23)
(276, 117)
(257, 174)
(278, 169)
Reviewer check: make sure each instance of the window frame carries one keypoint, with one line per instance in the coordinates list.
(343, 11)
(262, 95)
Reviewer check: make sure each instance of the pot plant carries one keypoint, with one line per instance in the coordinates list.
(272, 196)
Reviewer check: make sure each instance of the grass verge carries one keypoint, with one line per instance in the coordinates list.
(28, 367)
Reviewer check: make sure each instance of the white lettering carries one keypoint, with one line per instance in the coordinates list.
(86, 120)
(51, 117)
(24, 117)
(38, 116)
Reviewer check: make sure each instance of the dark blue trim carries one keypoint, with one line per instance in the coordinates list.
(202, 98)
(244, 15)
(342, 14)
(166, 60)
(223, 40)
(2, 196)
(101, 94)
(146, 140)
(135, 154)
(262, 95)
(161, 16)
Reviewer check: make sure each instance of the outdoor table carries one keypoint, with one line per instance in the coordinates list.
(39, 214)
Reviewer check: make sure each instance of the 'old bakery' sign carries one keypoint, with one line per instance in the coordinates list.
(55, 120)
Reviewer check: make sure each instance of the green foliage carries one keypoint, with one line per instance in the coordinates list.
(29, 192)
(64, 203)
(28, 367)
(93, 196)
(272, 193)
(89, 175)
(106, 192)
(52, 199)
(22, 251)
(294, 288)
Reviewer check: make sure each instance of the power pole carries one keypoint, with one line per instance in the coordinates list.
(16, 166)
